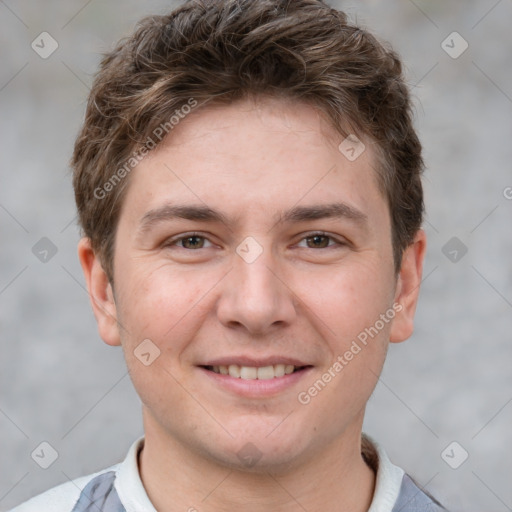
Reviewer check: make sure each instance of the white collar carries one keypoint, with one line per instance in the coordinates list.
(134, 498)
(387, 483)
(128, 483)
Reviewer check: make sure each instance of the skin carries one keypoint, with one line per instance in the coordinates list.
(303, 297)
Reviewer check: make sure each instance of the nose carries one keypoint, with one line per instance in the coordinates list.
(255, 297)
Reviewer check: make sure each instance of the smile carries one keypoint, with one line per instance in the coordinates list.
(253, 372)
(256, 382)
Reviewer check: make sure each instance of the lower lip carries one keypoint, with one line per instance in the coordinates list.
(256, 388)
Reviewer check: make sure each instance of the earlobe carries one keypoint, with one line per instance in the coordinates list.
(408, 288)
(100, 293)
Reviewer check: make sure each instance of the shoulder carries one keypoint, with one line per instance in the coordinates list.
(413, 499)
(61, 498)
(395, 490)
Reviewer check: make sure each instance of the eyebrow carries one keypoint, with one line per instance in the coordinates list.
(206, 214)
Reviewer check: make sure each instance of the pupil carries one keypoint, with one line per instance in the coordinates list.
(317, 238)
(192, 238)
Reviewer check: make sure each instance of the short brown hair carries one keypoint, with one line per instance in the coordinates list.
(222, 51)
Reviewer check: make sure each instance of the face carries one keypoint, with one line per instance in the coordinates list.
(257, 260)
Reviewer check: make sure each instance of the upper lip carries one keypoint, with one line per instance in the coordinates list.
(254, 362)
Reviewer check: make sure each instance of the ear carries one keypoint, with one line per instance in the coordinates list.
(408, 288)
(100, 293)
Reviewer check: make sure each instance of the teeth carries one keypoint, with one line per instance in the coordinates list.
(233, 370)
(248, 372)
(252, 373)
(265, 372)
(279, 370)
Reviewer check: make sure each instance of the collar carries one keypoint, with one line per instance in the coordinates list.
(388, 478)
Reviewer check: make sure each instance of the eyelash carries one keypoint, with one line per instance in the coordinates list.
(175, 241)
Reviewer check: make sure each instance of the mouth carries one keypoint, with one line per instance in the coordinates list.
(255, 372)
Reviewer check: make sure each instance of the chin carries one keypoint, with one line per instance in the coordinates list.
(255, 458)
(258, 450)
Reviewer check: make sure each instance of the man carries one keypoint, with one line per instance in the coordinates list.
(248, 183)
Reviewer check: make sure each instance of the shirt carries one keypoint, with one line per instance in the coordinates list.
(119, 488)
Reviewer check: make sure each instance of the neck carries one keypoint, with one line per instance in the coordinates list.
(177, 478)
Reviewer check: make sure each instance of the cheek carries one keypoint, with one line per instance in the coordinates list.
(350, 299)
(163, 305)
(155, 304)
(349, 304)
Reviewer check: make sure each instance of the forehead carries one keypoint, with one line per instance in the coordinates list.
(255, 157)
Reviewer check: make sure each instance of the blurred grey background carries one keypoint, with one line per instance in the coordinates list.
(451, 382)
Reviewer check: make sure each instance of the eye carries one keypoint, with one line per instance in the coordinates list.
(320, 241)
(194, 241)
(190, 241)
